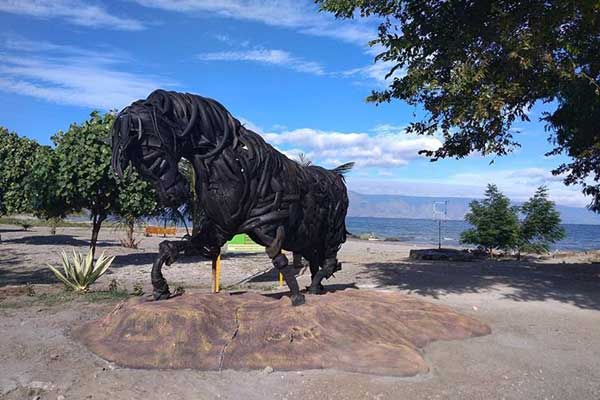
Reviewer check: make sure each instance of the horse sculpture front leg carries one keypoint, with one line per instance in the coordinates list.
(280, 262)
(168, 251)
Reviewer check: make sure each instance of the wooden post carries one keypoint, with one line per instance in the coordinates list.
(216, 274)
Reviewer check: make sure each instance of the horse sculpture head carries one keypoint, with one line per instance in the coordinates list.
(154, 134)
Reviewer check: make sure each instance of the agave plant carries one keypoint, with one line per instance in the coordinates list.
(79, 273)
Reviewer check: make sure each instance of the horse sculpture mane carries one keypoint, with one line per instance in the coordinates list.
(243, 185)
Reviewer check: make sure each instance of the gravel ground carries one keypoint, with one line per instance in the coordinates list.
(544, 316)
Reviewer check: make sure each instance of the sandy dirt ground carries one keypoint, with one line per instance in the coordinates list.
(544, 315)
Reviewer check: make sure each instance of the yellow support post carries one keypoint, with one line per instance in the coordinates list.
(285, 253)
(216, 274)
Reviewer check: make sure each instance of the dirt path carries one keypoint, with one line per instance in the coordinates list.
(545, 319)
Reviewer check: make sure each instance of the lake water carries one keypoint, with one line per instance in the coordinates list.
(425, 231)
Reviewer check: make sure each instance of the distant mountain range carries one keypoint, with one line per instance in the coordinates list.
(421, 207)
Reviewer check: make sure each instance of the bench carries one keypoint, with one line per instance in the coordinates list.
(158, 230)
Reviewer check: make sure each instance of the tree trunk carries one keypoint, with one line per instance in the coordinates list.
(196, 211)
(96, 224)
(129, 231)
(130, 228)
(53, 222)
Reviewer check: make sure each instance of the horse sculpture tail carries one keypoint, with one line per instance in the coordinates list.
(343, 169)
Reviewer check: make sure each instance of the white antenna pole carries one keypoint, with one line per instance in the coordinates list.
(440, 215)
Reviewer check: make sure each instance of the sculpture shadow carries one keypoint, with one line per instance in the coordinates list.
(576, 284)
(336, 287)
(123, 260)
(272, 275)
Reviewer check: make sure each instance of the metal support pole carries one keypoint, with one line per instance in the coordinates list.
(440, 234)
(216, 274)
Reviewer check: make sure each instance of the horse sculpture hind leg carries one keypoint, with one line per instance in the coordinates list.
(317, 287)
(330, 266)
(280, 262)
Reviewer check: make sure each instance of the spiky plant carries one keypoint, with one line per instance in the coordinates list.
(79, 273)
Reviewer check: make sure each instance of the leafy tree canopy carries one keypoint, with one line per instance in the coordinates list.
(495, 222)
(47, 200)
(16, 157)
(540, 226)
(478, 66)
(84, 175)
(86, 181)
(136, 198)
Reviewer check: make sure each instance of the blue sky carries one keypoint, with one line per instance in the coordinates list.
(294, 75)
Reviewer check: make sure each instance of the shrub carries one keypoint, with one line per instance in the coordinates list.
(79, 273)
(113, 286)
(541, 225)
(495, 222)
(138, 289)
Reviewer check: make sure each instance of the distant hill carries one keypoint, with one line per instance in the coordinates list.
(421, 207)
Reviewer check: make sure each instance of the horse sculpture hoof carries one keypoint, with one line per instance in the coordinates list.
(319, 289)
(297, 300)
(161, 295)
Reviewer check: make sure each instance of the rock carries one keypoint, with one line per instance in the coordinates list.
(353, 330)
(267, 370)
(40, 385)
(442, 255)
(60, 397)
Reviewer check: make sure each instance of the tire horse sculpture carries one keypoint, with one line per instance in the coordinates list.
(243, 185)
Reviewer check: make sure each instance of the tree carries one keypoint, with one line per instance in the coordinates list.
(495, 222)
(476, 67)
(84, 176)
(136, 199)
(540, 226)
(47, 200)
(191, 208)
(16, 158)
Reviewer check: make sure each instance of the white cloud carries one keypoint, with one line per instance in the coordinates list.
(74, 11)
(376, 72)
(266, 56)
(70, 75)
(520, 184)
(526, 177)
(300, 15)
(385, 150)
(228, 40)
